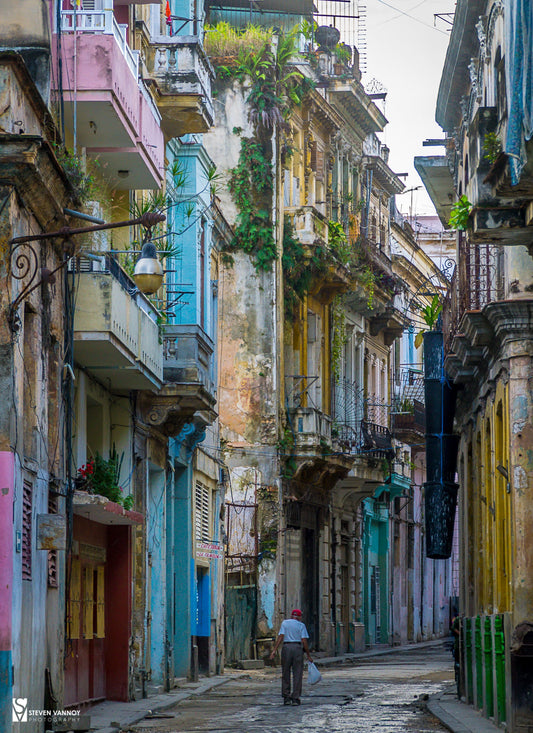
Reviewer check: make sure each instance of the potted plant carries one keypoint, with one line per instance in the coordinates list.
(101, 476)
(430, 314)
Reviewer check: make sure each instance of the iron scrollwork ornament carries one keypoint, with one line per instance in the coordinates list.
(24, 263)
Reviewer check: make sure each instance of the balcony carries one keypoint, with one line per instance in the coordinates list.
(478, 280)
(310, 227)
(361, 423)
(188, 394)
(312, 428)
(180, 76)
(116, 120)
(187, 353)
(318, 457)
(408, 416)
(116, 337)
(361, 427)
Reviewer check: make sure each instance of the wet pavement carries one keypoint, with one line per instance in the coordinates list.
(384, 694)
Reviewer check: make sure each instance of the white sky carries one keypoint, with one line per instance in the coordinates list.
(406, 54)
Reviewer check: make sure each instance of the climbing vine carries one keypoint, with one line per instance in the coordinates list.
(339, 338)
(338, 242)
(276, 87)
(250, 185)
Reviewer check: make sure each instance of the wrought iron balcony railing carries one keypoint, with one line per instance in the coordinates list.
(478, 280)
(360, 423)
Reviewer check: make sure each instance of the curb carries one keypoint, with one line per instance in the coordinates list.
(458, 716)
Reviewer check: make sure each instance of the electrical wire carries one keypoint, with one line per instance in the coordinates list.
(412, 17)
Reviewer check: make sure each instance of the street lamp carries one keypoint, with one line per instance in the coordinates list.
(148, 272)
(24, 261)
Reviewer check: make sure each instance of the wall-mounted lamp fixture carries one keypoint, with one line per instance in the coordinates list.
(24, 260)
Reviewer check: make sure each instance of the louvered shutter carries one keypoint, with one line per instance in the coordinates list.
(74, 607)
(27, 493)
(202, 513)
(317, 161)
(100, 602)
(88, 602)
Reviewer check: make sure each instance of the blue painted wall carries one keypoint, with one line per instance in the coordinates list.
(6, 690)
(375, 555)
(190, 220)
(180, 539)
(156, 546)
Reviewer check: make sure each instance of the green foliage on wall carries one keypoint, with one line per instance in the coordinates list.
(250, 185)
(339, 338)
(276, 87)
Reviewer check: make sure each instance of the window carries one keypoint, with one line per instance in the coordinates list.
(202, 513)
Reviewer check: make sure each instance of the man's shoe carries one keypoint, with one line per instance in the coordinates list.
(296, 701)
(286, 700)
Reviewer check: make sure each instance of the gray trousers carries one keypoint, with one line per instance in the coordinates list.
(292, 657)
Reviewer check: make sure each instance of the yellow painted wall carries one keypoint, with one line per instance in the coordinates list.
(486, 509)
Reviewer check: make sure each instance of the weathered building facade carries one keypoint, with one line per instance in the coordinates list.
(485, 110)
(310, 310)
(101, 459)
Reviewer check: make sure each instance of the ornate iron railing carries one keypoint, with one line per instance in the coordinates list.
(478, 280)
(360, 423)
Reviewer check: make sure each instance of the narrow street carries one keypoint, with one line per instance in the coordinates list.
(383, 693)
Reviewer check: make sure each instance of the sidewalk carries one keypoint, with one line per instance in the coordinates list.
(457, 716)
(111, 717)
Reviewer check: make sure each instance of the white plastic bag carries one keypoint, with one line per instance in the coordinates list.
(313, 675)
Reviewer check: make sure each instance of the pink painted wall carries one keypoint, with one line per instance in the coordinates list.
(151, 136)
(7, 480)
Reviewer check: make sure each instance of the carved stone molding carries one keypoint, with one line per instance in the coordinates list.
(162, 412)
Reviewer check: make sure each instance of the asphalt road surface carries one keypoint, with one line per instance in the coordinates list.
(383, 694)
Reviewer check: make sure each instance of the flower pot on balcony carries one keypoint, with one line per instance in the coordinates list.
(440, 502)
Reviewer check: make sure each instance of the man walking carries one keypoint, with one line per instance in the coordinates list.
(293, 635)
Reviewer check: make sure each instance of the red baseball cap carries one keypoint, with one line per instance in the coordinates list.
(296, 612)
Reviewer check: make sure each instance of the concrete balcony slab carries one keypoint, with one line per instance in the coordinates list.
(180, 75)
(116, 337)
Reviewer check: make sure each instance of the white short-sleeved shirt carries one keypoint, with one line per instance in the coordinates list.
(293, 630)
